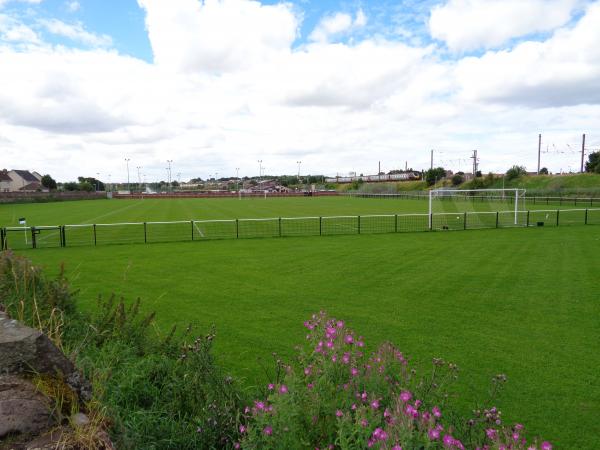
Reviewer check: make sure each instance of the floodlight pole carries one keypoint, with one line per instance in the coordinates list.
(430, 210)
(127, 162)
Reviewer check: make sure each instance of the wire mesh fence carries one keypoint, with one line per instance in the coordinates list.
(25, 237)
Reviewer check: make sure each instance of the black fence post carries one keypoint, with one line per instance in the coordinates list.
(63, 242)
(586, 216)
(358, 224)
(2, 238)
(33, 243)
(95, 242)
(528, 218)
(395, 223)
(279, 227)
(557, 215)
(145, 234)
(497, 217)
(237, 228)
(465, 221)
(320, 226)
(192, 224)
(430, 221)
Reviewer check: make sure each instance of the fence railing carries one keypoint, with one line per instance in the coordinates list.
(201, 230)
(533, 200)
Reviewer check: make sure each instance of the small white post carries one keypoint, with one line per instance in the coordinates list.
(430, 211)
(516, 206)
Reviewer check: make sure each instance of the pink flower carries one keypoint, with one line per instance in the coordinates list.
(434, 434)
(259, 405)
(242, 429)
(491, 433)
(396, 447)
(236, 445)
(448, 440)
(348, 339)
(405, 396)
(436, 411)
(353, 407)
(268, 430)
(283, 389)
(271, 386)
(546, 445)
(375, 404)
(309, 385)
(380, 435)
(364, 422)
(354, 371)
(334, 357)
(307, 371)
(346, 358)
(339, 413)
(340, 324)
(329, 344)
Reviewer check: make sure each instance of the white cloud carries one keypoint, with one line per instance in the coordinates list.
(14, 31)
(564, 70)
(473, 24)
(76, 32)
(227, 88)
(32, 2)
(217, 36)
(73, 6)
(337, 24)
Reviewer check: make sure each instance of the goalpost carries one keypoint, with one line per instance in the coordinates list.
(471, 194)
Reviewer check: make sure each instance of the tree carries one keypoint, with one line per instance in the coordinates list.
(432, 176)
(515, 172)
(593, 163)
(544, 171)
(457, 179)
(70, 186)
(48, 182)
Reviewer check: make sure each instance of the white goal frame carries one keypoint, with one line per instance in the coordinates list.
(517, 192)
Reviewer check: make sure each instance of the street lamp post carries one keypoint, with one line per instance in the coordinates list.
(97, 181)
(298, 162)
(259, 170)
(169, 169)
(139, 178)
(127, 162)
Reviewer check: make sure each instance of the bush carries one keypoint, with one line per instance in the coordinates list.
(515, 172)
(337, 396)
(458, 179)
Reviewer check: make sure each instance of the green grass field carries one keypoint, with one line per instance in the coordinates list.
(150, 209)
(522, 302)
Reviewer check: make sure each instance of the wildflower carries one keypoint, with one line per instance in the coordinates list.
(436, 411)
(405, 396)
(354, 371)
(268, 430)
(491, 433)
(348, 339)
(448, 440)
(339, 413)
(346, 358)
(353, 407)
(237, 445)
(283, 389)
(329, 344)
(307, 370)
(546, 445)
(380, 435)
(397, 447)
(518, 427)
(340, 324)
(259, 405)
(375, 404)
(515, 436)
(434, 433)
(271, 386)
(242, 429)
(334, 357)
(310, 385)
(364, 422)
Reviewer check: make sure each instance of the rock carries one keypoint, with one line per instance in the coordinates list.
(24, 349)
(22, 408)
(80, 419)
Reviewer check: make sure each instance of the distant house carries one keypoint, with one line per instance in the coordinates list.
(24, 181)
(5, 181)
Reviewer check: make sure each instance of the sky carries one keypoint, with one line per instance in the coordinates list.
(215, 86)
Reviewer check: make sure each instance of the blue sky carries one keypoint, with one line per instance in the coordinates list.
(342, 85)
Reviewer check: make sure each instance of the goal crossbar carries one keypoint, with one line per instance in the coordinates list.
(517, 193)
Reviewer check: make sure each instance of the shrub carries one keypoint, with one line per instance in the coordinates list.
(515, 172)
(337, 396)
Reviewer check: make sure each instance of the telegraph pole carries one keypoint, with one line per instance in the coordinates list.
(539, 151)
(582, 151)
(127, 163)
(474, 158)
(379, 172)
(431, 160)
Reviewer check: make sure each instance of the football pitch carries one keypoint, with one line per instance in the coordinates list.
(523, 302)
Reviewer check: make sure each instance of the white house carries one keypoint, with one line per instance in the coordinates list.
(5, 181)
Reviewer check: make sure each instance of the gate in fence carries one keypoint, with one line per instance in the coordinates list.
(198, 230)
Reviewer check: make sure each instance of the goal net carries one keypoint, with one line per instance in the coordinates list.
(476, 208)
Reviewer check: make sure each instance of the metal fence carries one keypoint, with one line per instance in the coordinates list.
(201, 230)
(589, 202)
